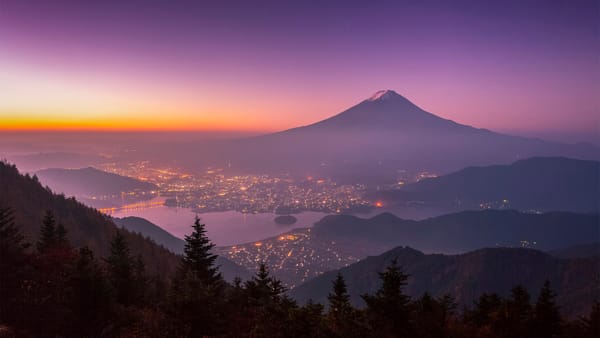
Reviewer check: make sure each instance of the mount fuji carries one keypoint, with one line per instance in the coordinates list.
(382, 135)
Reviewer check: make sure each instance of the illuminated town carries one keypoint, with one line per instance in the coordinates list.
(214, 191)
(294, 257)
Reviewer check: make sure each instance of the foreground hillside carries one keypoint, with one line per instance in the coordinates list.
(29, 201)
(469, 275)
(86, 226)
(540, 184)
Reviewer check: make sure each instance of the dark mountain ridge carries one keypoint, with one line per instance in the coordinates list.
(468, 275)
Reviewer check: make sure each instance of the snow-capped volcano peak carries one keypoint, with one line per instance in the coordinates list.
(382, 95)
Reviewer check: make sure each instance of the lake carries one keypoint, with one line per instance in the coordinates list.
(223, 228)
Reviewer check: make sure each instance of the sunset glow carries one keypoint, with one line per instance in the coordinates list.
(70, 65)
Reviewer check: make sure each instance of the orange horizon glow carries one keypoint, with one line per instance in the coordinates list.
(140, 124)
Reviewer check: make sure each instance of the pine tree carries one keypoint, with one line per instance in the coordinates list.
(196, 297)
(339, 303)
(268, 304)
(47, 232)
(591, 324)
(90, 295)
(344, 320)
(389, 309)
(546, 317)
(432, 315)
(198, 258)
(11, 238)
(120, 269)
(139, 279)
(61, 236)
(486, 310)
(517, 313)
(13, 267)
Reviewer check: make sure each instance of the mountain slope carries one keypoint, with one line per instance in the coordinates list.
(88, 227)
(374, 139)
(468, 275)
(543, 184)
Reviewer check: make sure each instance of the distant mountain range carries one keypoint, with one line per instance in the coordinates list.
(542, 184)
(37, 161)
(96, 187)
(148, 229)
(468, 275)
(374, 139)
(339, 240)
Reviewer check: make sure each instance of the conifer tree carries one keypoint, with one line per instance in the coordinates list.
(389, 310)
(268, 303)
(486, 310)
(120, 269)
(344, 320)
(90, 293)
(47, 232)
(591, 324)
(546, 317)
(197, 290)
(61, 236)
(517, 313)
(13, 263)
(198, 257)
(11, 238)
(339, 302)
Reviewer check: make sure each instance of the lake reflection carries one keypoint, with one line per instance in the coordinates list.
(223, 228)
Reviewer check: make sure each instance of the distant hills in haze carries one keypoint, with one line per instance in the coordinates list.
(540, 184)
(374, 139)
(96, 187)
(468, 275)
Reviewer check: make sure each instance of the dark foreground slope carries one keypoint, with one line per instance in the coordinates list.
(88, 227)
(469, 275)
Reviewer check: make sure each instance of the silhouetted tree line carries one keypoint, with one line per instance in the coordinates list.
(56, 290)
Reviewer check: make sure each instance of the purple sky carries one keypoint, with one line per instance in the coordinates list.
(520, 66)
